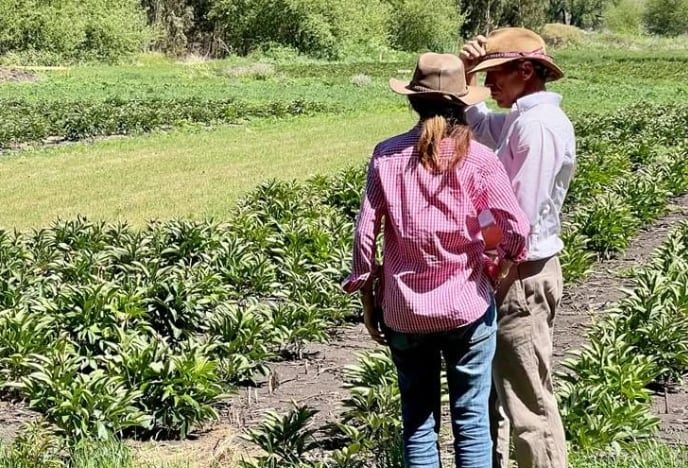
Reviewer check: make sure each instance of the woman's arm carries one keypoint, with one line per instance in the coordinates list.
(367, 229)
(496, 195)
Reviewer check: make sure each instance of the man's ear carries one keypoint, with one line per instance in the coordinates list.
(526, 70)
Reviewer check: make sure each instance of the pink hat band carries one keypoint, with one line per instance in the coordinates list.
(539, 53)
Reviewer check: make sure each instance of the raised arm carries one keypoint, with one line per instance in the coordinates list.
(486, 125)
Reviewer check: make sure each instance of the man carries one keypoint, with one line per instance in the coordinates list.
(535, 142)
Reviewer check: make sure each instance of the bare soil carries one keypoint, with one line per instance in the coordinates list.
(317, 379)
(13, 75)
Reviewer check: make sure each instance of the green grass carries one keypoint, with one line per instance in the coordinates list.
(198, 172)
(192, 173)
(619, 76)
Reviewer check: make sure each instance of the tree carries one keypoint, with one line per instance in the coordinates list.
(667, 17)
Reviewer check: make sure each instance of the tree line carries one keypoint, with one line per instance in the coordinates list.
(106, 30)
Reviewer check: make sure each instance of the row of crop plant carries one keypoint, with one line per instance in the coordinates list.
(604, 388)
(106, 329)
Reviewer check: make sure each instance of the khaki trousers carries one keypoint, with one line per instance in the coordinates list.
(522, 371)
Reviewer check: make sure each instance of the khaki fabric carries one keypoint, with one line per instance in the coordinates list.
(527, 299)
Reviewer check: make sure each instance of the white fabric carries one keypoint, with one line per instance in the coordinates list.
(536, 144)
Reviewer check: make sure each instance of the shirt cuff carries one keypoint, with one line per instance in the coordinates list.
(355, 282)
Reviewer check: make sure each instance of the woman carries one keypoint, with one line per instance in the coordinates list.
(429, 185)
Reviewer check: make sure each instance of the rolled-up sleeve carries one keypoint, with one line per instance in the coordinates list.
(497, 196)
(486, 126)
(367, 229)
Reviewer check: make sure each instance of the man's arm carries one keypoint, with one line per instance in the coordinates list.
(487, 126)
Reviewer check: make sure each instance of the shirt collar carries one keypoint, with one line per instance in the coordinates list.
(542, 97)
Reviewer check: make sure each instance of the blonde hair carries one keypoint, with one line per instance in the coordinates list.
(441, 120)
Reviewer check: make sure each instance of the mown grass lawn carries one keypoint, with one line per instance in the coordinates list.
(191, 173)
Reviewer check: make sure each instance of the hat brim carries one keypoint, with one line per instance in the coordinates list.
(475, 94)
(555, 72)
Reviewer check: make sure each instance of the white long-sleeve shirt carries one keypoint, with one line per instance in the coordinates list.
(536, 144)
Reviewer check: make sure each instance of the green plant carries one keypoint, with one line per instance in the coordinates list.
(35, 446)
(416, 25)
(71, 30)
(608, 224)
(372, 412)
(603, 397)
(669, 17)
(576, 260)
(286, 439)
(176, 389)
(625, 16)
(645, 194)
(80, 404)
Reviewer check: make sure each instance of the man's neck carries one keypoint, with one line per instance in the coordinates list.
(532, 88)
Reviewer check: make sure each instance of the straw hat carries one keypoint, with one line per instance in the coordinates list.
(440, 75)
(509, 44)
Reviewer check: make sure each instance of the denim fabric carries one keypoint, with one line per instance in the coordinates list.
(468, 353)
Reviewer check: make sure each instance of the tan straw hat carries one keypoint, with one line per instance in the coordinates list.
(440, 75)
(509, 44)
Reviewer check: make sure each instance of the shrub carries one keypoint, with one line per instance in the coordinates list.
(73, 29)
(576, 260)
(418, 25)
(625, 16)
(561, 35)
(667, 17)
(608, 223)
(319, 28)
(603, 395)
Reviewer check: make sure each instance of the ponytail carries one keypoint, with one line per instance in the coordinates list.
(440, 121)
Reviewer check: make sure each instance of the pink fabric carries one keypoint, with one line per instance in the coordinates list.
(433, 249)
(539, 53)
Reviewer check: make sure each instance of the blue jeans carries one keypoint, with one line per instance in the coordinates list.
(468, 353)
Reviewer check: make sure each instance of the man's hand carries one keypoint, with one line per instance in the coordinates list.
(472, 51)
(371, 318)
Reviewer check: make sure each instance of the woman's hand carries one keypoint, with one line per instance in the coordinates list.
(371, 317)
(497, 268)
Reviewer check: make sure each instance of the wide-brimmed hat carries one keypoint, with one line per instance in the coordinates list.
(509, 44)
(440, 76)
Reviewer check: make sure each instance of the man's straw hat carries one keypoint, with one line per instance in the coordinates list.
(440, 76)
(509, 44)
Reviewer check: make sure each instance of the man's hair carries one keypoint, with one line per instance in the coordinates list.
(541, 71)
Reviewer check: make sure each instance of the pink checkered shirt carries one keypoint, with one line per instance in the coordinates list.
(433, 248)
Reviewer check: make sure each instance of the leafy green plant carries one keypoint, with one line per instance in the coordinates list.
(372, 412)
(608, 224)
(244, 339)
(177, 389)
(286, 439)
(35, 446)
(603, 396)
(645, 194)
(80, 404)
(576, 259)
